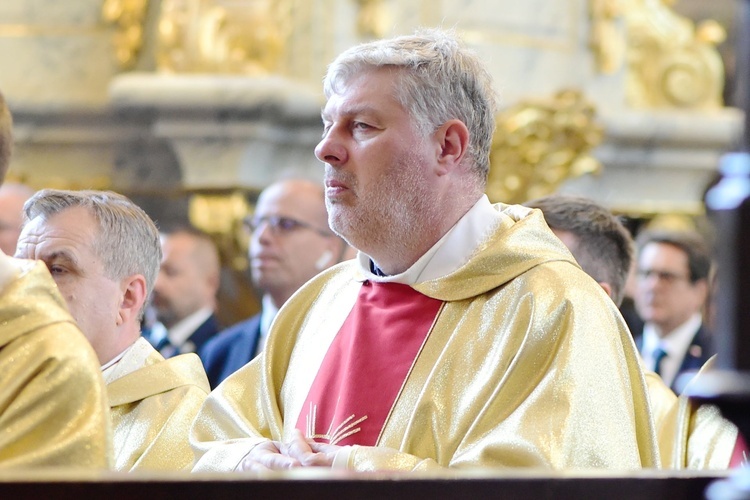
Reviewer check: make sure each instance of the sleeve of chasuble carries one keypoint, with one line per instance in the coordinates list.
(227, 427)
(52, 401)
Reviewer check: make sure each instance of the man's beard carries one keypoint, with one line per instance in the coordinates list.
(388, 220)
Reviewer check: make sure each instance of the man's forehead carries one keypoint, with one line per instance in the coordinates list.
(71, 224)
(290, 195)
(666, 253)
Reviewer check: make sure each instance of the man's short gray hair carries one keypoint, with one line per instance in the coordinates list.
(127, 241)
(440, 80)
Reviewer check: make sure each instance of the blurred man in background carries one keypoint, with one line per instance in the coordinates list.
(673, 271)
(185, 292)
(12, 198)
(290, 242)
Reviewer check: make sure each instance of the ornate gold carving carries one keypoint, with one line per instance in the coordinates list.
(223, 36)
(670, 63)
(128, 16)
(538, 144)
(606, 41)
(220, 215)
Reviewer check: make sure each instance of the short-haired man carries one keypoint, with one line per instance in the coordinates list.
(673, 270)
(462, 335)
(689, 436)
(602, 246)
(290, 242)
(185, 292)
(53, 408)
(103, 252)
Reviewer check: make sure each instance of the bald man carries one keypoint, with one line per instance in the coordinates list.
(12, 198)
(290, 242)
(185, 292)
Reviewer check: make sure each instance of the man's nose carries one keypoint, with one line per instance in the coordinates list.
(331, 150)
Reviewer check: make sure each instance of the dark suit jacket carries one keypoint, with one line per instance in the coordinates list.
(698, 352)
(230, 350)
(200, 336)
(203, 333)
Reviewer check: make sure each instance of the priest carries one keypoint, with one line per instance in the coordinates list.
(464, 334)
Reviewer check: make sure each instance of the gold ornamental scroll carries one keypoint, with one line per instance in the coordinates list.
(669, 62)
(538, 144)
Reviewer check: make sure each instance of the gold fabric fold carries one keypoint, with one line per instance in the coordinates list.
(693, 436)
(529, 364)
(152, 409)
(53, 408)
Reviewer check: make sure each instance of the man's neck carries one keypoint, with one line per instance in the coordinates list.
(409, 248)
(664, 330)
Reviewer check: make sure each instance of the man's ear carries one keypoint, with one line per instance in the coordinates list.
(453, 142)
(133, 297)
(701, 289)
(607, 288)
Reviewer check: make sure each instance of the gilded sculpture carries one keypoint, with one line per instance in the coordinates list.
(222, 36)
(128, 16)
(669, 63)
(538, 144)
(220, 215)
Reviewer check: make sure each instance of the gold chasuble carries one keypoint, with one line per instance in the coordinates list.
(52, 402)
(526, 363)
(152, 408)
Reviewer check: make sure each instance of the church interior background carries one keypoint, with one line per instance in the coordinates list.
(190, 107)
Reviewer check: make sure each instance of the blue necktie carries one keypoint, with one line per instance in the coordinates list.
(659, 355)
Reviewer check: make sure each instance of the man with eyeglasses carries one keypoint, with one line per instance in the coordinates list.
(290, 242)
(673, 271)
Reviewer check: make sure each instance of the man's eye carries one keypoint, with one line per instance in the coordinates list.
(286, 224)
(54, 269)
(361, 126)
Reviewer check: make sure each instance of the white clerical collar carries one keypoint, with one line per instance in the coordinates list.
(675, 344)
(267, 314)
(128, 361)
(450, 252)
(183, 329)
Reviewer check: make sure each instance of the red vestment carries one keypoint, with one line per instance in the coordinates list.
(366, 366)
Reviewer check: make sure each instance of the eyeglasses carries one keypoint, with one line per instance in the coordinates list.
(664, 276)
(280, 225)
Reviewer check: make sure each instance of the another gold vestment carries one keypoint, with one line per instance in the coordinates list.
(529, 364)
(152, 410)
(52, 401)
(693, 436)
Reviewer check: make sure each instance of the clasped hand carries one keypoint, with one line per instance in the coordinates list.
(297, 452)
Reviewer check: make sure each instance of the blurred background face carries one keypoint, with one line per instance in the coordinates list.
(185, 282)
(66, 244)
(664, 294)
(12, 198)
(283, 258)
